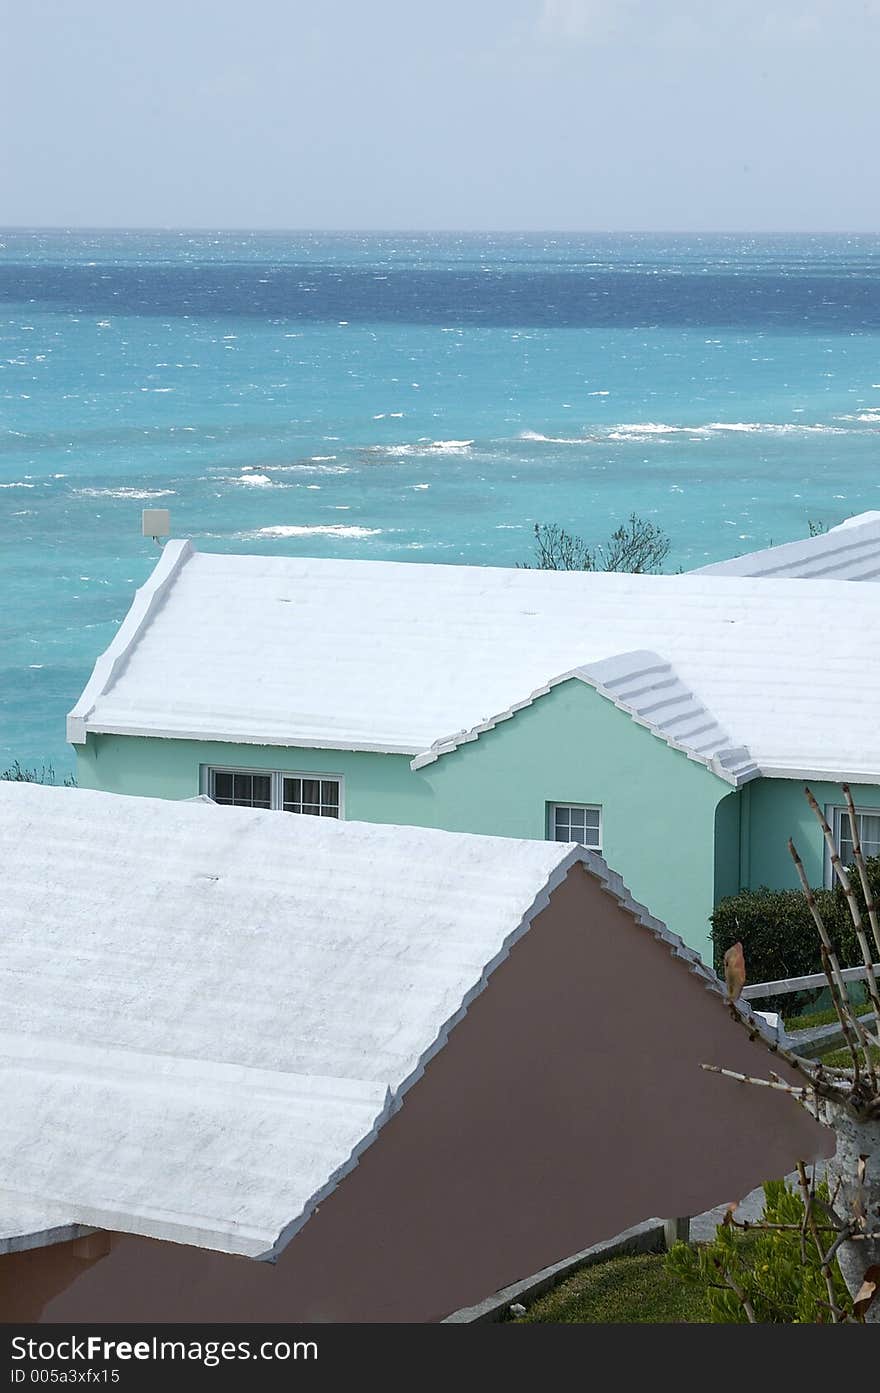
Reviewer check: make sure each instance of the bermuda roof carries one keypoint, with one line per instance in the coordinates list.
(749, 678)
(850, 551)
(207, 1014)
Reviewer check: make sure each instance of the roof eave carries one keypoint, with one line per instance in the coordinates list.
(272, 739)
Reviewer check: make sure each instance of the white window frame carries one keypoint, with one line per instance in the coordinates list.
(834, 814)
(276, 783)
(588, 808)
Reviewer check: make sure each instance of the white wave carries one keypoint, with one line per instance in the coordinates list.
(775, 428)
(658, 428)
(308, 469)
(743, 426)
(255, 480)
(423, 447)
(635, 435)
(552, 439)
(322, 530)
(18, 486)
(125, 493)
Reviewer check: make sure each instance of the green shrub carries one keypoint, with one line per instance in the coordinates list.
(783, 1282)
(777, 932)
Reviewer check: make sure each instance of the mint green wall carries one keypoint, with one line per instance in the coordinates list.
(571, 746)
(727, 845)
(575, 746)
(777, 810)
(378, 788)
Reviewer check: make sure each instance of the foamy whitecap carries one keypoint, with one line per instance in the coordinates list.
(309, 468)
(450, 447)
(775, 428)
(659, 428)
(18, 486)
(538, 438)
(129, 493)
(255, 480)
(321, 530)
(423, 447)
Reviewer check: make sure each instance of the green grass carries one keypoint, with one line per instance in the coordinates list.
(631, 1290)
(816, 1018)
(841, 1059)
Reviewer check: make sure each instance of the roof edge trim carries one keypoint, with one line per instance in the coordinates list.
(110, 664)
(613, 885)
(743, 774)
(395, 1097)
(290, 741)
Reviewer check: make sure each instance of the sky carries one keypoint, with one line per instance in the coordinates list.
(594, 115)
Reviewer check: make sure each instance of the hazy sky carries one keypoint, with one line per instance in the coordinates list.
(533, 114)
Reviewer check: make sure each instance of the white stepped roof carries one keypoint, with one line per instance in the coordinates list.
(206, 1014)
(850, 551)
(774, 679)
(648, 689)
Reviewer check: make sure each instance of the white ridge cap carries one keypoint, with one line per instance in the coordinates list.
(111, 663)
(647, 688)
(849, 551)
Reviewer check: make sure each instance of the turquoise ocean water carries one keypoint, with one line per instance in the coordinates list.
(419, 398)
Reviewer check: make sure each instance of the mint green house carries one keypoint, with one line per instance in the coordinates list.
(668, 721)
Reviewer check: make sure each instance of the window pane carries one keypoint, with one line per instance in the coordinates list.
(222, 787)
(869, 833)
(314, 797)
(240, 790)
(252, 790)
(576, 824)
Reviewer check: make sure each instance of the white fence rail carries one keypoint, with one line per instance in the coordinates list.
(802, 984)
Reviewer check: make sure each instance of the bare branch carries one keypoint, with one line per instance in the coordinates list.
(871, 907)
(846, 885)
(830, 965)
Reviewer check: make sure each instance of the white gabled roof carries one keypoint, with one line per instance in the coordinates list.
(850, 551)
(206, 1013)
(414, 659)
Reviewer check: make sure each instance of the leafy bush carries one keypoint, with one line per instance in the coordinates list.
(777, 932)
(779, 1276)
(15, 774)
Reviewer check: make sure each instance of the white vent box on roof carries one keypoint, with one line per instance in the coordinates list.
(156, 522)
